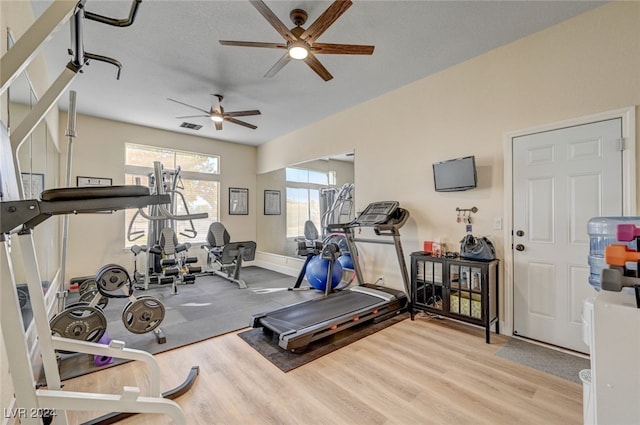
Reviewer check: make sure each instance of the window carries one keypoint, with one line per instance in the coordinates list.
(303, 198)
(198, 182)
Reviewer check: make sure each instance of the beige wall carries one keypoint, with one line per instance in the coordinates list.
(99, 151)
(582, 66)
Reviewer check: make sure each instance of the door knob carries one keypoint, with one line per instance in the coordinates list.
(520, 233)
(519, 247)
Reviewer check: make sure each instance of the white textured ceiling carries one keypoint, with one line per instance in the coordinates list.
(172, 51)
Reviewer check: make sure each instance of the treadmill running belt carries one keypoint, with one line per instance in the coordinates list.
(300, 316)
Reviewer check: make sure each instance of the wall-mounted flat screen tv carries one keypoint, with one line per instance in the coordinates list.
(455, 174)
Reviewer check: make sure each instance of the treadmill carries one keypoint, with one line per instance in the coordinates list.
(297, 325)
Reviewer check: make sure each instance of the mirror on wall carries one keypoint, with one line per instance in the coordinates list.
(39, 161)
(321, 190)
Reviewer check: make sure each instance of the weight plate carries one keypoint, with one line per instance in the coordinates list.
(23, 296)
(111, 277)
(79, 321)
(143, 315)
(87, 285)
(87, 297)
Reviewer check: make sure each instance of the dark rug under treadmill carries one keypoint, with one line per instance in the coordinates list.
(287, 361)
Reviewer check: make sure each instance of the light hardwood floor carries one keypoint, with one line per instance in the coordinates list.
(421, 372)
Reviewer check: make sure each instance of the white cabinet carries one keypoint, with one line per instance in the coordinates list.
(615, 358)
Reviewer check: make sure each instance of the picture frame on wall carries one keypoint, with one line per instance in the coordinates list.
(272, 202)
(33, 184)
(238, 201)
(83, 181)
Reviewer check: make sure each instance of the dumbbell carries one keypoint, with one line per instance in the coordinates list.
(613, 280)
(99, 360)
(620, 254)
(627, 232)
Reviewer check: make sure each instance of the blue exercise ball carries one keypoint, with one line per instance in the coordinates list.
(317, 271)
(346, 261)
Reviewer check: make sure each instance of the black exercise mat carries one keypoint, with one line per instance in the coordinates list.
(287, 361)
(211, 307)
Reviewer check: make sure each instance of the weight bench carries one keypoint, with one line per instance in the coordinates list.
(227, 255)
(22, 216)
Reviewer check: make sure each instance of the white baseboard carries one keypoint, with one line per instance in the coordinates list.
(279, 263)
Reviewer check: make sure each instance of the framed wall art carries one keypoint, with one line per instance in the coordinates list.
(238, 201)
(82, 181)
(33, 184)
(272, 202)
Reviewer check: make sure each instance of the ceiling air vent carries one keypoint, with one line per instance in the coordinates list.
(190, 126)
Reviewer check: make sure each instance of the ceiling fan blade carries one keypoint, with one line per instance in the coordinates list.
(342, 49)
(242, 113)
(278, 65)
(218, 125)
(315, 64)
(242, 123)
(325, 20)
(190, 106)
(194, 116)
(252, 44)
(273, 19)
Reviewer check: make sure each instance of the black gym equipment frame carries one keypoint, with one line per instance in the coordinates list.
(297, 325)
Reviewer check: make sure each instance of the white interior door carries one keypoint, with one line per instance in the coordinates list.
(561, 179)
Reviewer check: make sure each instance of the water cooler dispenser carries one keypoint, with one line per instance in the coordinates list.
(611, 322)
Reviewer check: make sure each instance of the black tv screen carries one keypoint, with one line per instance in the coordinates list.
(455, 174)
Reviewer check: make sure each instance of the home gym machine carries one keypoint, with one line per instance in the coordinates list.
(168, 261)
(297, 325)
(19, 217)
(337, 206)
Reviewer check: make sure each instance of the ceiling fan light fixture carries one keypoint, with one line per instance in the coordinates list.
(298, 51)
(216, 118)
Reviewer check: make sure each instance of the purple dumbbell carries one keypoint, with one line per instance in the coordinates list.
(627, 232)
(103, 360)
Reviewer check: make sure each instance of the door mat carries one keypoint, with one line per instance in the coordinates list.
(287, 361)
(548, 360)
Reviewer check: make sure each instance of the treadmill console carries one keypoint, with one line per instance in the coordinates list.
(377, 213)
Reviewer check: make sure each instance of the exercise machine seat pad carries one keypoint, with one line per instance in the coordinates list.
(80, 193)
(310, 231)
(217, 236)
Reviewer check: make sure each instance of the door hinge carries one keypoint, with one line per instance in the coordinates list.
(622, 145)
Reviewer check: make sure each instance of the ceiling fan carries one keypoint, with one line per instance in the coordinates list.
(218, 114)
(301, 43)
